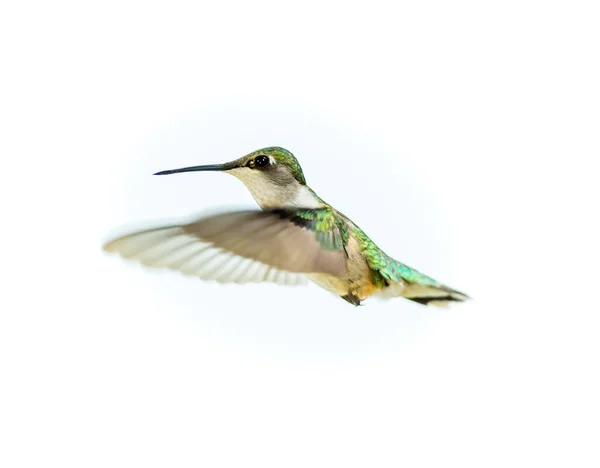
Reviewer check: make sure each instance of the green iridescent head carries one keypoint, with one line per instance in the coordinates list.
(269, 160)
(280, 156)
(273, 176)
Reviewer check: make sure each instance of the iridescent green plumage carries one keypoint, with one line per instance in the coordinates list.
(389, 268)
(283, 156)
(297, 235)
(330, 231)
(333, 230)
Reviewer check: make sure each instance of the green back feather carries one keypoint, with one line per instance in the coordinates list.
(330, 231)
(387, 267)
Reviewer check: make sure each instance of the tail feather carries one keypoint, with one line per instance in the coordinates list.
(430, 295)
(426, 294)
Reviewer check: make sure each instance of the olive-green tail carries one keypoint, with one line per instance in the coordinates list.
(401, 280)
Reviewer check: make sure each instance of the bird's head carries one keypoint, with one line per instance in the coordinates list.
(273, 176)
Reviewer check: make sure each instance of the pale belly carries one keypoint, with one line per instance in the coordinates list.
(356, 282)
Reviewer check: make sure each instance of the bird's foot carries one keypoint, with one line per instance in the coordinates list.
(352, 299)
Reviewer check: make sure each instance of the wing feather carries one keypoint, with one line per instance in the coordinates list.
(239, 247)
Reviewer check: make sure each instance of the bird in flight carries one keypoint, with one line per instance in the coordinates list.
(295, 237)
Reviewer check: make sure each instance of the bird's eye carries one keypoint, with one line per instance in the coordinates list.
(261, 161)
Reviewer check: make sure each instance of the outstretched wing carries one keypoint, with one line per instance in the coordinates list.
(244, 246)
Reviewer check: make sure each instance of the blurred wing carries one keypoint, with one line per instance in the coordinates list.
(238, 247)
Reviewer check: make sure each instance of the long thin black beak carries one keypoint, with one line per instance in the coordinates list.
(209, 167)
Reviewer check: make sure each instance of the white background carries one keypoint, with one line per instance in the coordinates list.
(462, 136)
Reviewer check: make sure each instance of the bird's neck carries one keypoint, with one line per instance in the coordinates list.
(270, 195)
(307, 198)
(299, 196)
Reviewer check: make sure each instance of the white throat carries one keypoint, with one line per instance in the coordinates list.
(270, 195)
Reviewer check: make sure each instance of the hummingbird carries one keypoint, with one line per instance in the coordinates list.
(295, 237)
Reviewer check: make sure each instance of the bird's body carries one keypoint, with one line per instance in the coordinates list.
(297, 235)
